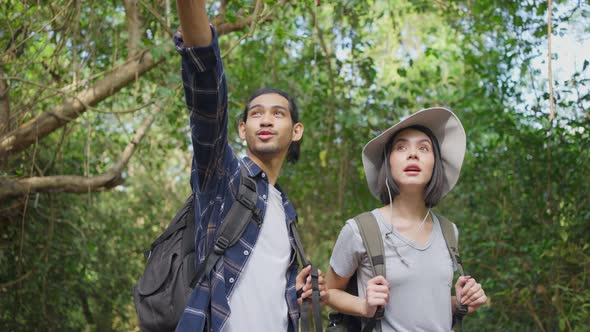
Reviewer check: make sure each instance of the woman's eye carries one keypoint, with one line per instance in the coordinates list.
(424, 149)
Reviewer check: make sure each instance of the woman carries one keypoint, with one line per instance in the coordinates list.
(409, 168)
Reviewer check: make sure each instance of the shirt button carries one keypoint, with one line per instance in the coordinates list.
(263, 174)
(246, 252)
(231, 280)
(264, 197)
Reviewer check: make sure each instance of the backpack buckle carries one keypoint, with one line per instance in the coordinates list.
(462, 310)
(220, 245)
(458, 258)
(379, 313)
(335, 319)
(245, 200)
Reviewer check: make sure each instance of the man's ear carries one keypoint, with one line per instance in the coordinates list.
(242, 130)
(297, 131)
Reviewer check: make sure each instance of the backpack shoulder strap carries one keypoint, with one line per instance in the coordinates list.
(238, 216)
(188, 242)
(306, 321)
(371, 235)
(297, 244)
(233, 225)
(448, 231)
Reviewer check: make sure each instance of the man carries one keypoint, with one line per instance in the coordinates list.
(255, 286)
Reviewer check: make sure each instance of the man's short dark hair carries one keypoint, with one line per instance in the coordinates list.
(434, 188)
(295, 147)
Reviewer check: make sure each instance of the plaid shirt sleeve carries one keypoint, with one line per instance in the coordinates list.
(205, 92)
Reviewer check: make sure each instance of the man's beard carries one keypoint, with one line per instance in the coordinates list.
(267, 151)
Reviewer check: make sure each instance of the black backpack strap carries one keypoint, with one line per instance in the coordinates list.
(233, 225)
(371, 235)
(448, 231)
(315, 290)
(188, 242)
(187, 251)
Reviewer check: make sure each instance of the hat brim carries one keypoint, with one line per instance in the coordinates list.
(447, 129)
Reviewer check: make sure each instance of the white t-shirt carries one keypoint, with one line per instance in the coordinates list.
(420, 286)
(258, 301)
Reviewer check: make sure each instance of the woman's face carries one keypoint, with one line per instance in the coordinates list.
(411, 160)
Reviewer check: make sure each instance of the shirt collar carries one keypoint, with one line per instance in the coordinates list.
(251, 167)
(256, 172)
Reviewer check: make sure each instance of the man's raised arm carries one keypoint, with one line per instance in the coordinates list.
(194, 22)
(205, 95)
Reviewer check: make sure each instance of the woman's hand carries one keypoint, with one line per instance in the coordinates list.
(377, 295)
(470, 293)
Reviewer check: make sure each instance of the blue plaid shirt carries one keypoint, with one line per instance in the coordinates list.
(215, 180)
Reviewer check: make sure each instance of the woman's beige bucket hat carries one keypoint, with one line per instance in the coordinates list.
(447, 129)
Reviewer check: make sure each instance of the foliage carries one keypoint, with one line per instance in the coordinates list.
(68, 261)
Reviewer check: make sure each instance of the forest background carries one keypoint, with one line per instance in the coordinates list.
(95, 146)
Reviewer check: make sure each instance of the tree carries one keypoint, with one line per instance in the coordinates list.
(68, 99)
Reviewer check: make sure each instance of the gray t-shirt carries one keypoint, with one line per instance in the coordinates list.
(258, 301)
(420, 277)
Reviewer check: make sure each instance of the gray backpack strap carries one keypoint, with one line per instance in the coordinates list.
(371, 235)
(448, 231)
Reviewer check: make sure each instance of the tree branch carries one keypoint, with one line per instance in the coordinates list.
(228, 27)
(47, 122)
(4, 104)
(549, 56)
(133, 27)
(44, 124)
(163, 20)
(17, 280)
(79, 184)
(85, 305)
(256, 16)
(331, 75)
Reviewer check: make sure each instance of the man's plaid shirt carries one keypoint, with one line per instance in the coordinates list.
(215, 180)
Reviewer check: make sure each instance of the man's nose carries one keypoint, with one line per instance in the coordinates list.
(266, 119)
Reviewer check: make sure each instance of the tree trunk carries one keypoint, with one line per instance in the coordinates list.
(133, 27)
(4, 105)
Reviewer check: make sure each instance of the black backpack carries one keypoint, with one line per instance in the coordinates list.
(163, 289)
(373, 242)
